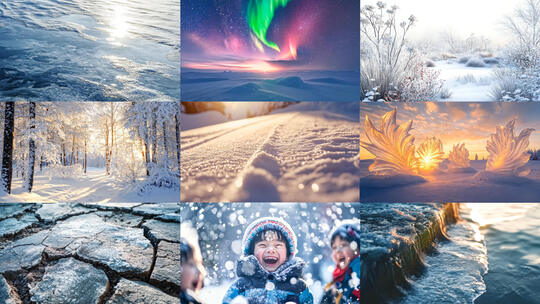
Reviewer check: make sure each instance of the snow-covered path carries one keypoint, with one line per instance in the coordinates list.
(291, 156)
(95, 186)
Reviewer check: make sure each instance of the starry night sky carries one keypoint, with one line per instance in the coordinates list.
(311, 35)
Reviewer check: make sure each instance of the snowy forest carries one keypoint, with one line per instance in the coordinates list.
(417, 52)
(91, 151)
(218, 230)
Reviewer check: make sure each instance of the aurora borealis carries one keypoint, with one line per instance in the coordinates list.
(270, 35)
(259, 16)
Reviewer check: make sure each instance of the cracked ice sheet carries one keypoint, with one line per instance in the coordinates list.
(120, 248)
(307, 153)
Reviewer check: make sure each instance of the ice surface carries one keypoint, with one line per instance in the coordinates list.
(455, 270)
(89, 50)
(451, 273)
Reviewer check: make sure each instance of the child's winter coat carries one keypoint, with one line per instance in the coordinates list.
(258, 286)
(345, 287)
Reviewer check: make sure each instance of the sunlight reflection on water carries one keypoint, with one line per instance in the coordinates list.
(487, 214)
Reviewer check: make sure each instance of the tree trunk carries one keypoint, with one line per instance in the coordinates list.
(84, 164)
(107, 163)
(31, 147)
(7, 156)
(177, 126)
(165, 146)
(72, 151)
(154, 138)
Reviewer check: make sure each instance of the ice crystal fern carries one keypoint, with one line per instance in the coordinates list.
(392, 146)
(459, 157)
(507, 153)
(430, 153)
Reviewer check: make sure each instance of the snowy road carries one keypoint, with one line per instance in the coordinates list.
(290, 156)
(94, 186)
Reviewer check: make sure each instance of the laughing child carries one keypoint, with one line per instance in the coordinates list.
(269, 272)
(345, 285)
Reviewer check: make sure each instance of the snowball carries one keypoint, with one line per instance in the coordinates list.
(269, 286)
(236, 246)
(229, 265)
(294, 281)
(354, 245)
(354, 282)
(239, 300)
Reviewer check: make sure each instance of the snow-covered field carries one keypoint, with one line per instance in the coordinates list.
(94, 187)
(241, 86)
(307, 152)
(457, 187)
(466, 83)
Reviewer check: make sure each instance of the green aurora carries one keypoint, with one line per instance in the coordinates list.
(259, 16)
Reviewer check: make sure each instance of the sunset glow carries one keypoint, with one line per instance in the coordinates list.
(470, 124)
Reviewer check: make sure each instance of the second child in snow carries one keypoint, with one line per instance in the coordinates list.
(269, 271)
(345, 285)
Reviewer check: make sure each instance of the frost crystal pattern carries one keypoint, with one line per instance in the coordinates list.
(430, 153)
(459, 157)
(392, 146)
(507, 153)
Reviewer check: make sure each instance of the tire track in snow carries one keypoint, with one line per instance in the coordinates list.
(259, 179)
(209, 170)
(206, 138)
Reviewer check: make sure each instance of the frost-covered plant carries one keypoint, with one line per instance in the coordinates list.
(392, 146)
(420, 84)
(524, 24)
(372, 95)
(508, 153)
(160, 178)
(430, 153)
(527, 87)
(459, 157)
(519, 80)
(386, 55)
(127, 169)
(475, 63)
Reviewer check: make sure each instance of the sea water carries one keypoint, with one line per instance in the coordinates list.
(55, 50)
(512, 236)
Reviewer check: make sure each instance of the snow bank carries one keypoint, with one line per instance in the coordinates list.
(498, 178)
(384, 181)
